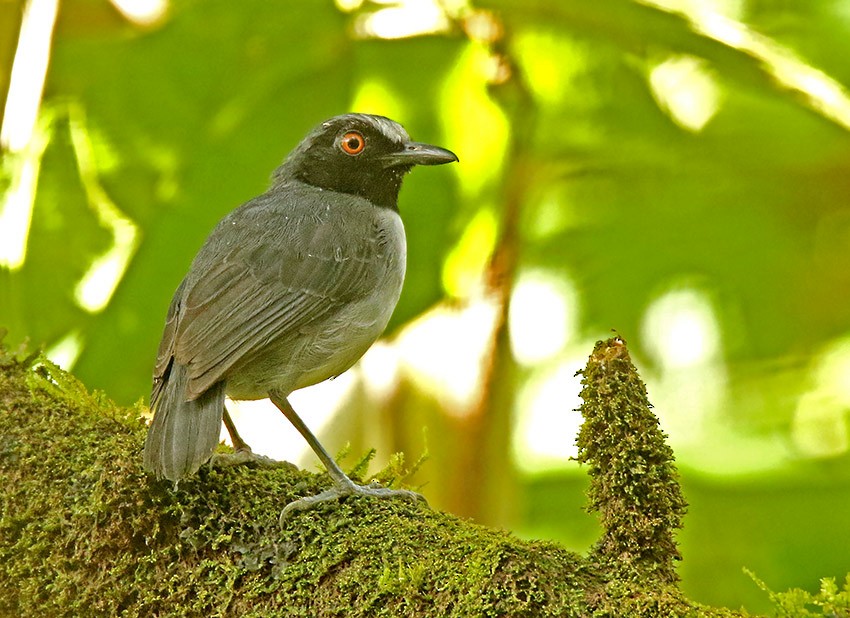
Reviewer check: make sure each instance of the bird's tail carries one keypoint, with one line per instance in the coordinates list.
(183, 433)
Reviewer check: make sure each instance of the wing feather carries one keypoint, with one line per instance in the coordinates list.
(291, 268)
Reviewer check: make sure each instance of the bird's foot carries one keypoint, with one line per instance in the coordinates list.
(243, 456)
(343, 490)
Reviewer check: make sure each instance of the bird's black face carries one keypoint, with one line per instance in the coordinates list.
(362, 155)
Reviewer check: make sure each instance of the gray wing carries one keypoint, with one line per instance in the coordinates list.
(166, 344)
(265, 273)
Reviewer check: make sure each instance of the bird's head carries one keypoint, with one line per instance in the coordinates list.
(359, 154)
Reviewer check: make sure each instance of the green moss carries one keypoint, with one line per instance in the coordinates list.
(83, 531)
(634, 483)
(830, 600)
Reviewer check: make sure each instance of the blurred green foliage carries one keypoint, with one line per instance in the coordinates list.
(626, 197)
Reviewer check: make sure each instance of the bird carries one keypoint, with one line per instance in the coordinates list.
(288, 290)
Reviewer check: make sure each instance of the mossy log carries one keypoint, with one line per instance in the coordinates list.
(85, 532)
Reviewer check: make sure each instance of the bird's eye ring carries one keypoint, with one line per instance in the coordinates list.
(352, 143)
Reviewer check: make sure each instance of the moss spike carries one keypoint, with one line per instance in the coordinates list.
(634, 482)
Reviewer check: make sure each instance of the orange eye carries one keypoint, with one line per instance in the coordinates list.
(352, 143)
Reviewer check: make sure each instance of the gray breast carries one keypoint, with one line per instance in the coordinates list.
(329, 345)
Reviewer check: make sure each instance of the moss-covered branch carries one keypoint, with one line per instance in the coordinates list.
(83, 531)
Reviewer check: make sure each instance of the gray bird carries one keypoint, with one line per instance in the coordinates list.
(288, 290)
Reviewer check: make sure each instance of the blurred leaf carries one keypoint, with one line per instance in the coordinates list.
(188, 121)
(636, 202)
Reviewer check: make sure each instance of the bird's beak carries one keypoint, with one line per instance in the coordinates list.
(416, 153)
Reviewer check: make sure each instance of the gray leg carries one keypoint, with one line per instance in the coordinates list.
(343, 486)
(238, 443)
(243, 453)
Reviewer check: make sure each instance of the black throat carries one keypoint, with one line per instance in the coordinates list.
(380, 186)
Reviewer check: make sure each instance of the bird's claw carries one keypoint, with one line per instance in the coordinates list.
(337, 492)
(243, 456)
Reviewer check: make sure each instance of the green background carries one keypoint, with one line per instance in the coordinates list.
(551, 107)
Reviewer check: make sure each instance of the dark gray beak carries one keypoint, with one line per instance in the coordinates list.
(416, 153)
